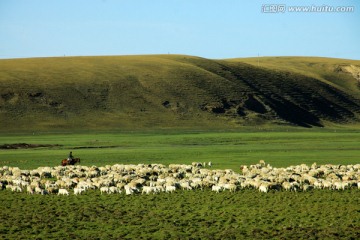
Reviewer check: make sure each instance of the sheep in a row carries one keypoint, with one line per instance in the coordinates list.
(155, 178)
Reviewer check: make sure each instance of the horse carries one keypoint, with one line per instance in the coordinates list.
(65, 162)
(75, 160)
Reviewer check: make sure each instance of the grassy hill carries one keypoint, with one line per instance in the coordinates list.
(176, 91)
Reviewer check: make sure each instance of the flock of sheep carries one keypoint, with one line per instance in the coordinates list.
(156, 178)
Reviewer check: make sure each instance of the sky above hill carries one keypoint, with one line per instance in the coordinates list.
(206, 28)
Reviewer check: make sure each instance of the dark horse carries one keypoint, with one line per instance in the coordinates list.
(65, 162)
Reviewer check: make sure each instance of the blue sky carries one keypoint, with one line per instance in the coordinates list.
(206, 28)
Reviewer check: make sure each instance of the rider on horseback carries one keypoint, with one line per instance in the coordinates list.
(70, 158)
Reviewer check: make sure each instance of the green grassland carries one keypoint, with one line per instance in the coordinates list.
(246, 214)
(223, 149)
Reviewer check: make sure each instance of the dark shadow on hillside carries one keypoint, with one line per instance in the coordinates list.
(293, 97)
(293, 113)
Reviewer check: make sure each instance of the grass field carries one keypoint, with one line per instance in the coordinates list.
(245, 214)
(223, 149)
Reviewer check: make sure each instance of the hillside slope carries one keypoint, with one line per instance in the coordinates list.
(167, 91)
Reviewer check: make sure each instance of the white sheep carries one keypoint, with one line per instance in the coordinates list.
(318, 184)
(79, 190)
(186, 177)
(326, 184)
(196, 164)
(63, 191)
(185, 186)
(264, 188)
(169, 188)
(262, 163)
(29, 190)
(129, 190)
(307, 187)
(340, 185)
(15, 188)
(148, 190)
(114, 189)
(287, 186)
(38, 190)
(216, 188)
(230, 186)
(104, 190)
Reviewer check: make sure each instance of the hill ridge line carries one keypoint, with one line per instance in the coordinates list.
(175, 91)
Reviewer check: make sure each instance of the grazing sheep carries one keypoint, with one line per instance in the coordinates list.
(38, 190)
(318, 184)
(63, 191)
(148, 190)
(52, 190)
(169, 188)
(307, 187)
(104, 190)
(264, 187)
(155, 178)
(78, 190)
(230, 186)
(216, 188)
(286, 186)
(15, 188)
(185, 186)
(129, 190)
(326, 184)
(29, 190)
(340, 185)
(196, 164)
(114, 189)
(262, 163)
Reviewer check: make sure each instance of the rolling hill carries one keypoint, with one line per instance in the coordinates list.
(176, 91)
